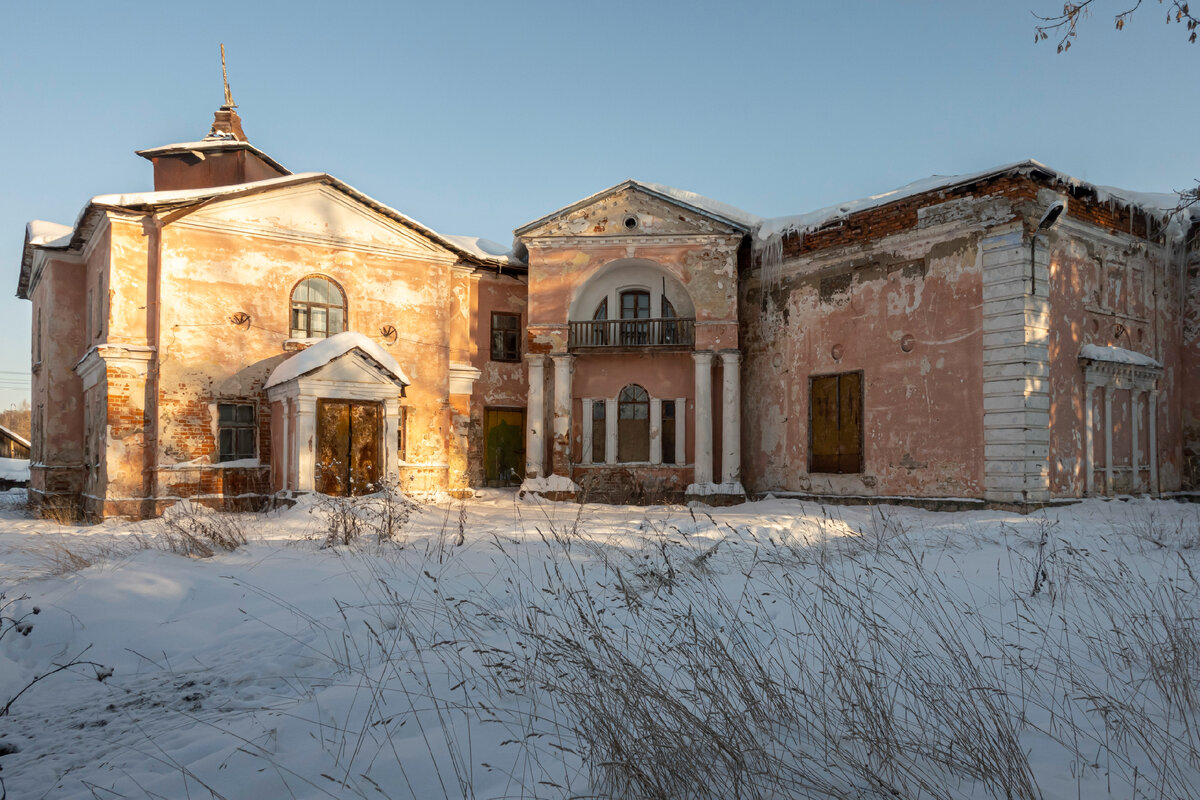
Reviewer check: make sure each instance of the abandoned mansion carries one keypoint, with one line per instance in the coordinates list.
(243, 332)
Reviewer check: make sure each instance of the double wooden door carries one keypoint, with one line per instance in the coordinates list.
(349, 447)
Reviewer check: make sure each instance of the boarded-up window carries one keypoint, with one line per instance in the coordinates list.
(633, 424)
(835, 405)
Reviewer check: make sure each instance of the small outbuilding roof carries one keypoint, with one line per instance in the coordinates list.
(16, 437)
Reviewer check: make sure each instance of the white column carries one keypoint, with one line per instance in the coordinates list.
(704, 444)
(655, 430)
(560, 447)
(286, 450)
(306, 442)
(731, 417)
(1152, 456)
(1108, 447)
(1134, 419)
(536, 416)
(680, 431)
(585, 454)
(391, 442)
(1089, 442)
(610, 430)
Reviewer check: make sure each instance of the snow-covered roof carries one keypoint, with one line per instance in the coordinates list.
(1159, 204)
(40, 233)
(75, 236)
(336, 346)
(706, 204)
(16, 437)
(212, 143)
(485, 249)
(697, 202)
(1117, 355)
(186, 196)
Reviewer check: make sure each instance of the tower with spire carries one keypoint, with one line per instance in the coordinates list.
(222, 158)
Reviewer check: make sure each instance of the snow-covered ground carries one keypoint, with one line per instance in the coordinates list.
(510, 648)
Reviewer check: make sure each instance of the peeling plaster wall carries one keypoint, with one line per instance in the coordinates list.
(56, 391)
(501, 384)
(1190, 357)
(905, 309)
(1113, 289)
(205, 359)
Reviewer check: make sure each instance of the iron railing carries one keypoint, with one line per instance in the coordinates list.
(668, 332)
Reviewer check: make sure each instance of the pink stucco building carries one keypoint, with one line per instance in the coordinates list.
(242, 333)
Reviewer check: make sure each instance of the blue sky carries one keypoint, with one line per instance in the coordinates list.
(477, 117)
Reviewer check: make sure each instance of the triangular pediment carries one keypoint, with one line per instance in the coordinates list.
(318, 212)
(633, 209)
(353, 367)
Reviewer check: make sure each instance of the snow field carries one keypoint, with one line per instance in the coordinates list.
(510, 648)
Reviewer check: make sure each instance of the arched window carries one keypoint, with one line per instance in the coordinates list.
(318, 308)
(633, 424)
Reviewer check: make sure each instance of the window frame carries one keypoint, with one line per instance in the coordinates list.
(506, 352)
(235, 426)
(817, 463)
(638, 293)
(310, 305)
(641, 414)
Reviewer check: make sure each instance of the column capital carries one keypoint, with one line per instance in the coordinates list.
(702, 357)
(536, 359)
(731, 356)
(561, 357)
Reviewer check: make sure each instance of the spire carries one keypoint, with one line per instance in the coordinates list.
(226, 122)
(225, 77)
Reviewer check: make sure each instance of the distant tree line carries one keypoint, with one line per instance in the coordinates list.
(17, 419)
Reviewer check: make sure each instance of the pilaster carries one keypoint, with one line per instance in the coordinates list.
(1016, 392)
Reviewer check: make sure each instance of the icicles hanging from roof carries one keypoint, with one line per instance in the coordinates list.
(770, 258)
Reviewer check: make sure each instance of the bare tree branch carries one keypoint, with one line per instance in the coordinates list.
(1064, 25)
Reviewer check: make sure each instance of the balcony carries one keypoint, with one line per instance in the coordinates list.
(673, 332)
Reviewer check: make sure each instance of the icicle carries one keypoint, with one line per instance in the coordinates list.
(770, 255)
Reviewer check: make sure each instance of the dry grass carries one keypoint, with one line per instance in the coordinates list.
(191, 530)
(853, 669)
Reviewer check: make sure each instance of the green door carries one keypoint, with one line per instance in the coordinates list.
(504, 446)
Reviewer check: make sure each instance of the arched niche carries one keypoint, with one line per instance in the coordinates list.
(630, 274)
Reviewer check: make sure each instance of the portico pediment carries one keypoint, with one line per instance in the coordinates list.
(347, 365)
(637, 209)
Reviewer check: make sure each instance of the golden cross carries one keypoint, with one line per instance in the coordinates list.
(225, 75)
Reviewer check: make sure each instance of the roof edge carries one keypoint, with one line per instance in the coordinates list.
(210, 145)
(630, 183)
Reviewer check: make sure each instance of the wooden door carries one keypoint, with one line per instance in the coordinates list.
(836, 423)
(504, 445)
(349, 435)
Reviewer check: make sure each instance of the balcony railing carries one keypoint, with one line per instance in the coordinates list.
(671, 332)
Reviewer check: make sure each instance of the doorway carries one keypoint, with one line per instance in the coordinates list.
(348, 447)
(504, 446)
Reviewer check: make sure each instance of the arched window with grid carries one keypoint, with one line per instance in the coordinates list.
(318, 308)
